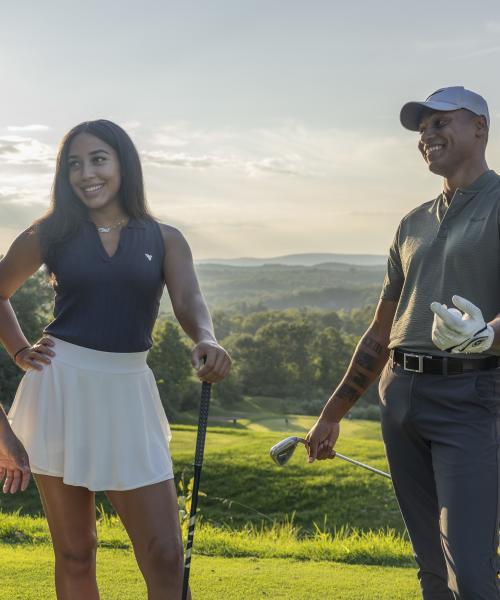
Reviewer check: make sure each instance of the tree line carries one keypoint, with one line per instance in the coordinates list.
(294, 354)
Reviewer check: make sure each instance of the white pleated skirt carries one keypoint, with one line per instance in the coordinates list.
(95, 419)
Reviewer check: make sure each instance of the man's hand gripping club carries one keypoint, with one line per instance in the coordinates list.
(455, 331)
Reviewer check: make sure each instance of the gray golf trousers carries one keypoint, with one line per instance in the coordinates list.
(442, 437)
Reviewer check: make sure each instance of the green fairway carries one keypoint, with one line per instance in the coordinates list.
(315, 531)
(237, 468)
(213, 578)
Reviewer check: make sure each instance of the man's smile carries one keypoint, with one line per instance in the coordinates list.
(432, 151)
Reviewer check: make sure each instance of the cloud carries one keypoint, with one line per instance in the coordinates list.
(26, 195)
(252, 152)
(8, 148)
(446, 44)
(25, 192)
(25, 151)
(224, 221)
(493, 26)
(461, 48)
(171, 137)
(279, 166)
(26, 179)
(273, 165)
(373, 213)
(479, 52)
(181, 134)
(159, 158)
(28, 128)
(290, 150)
(20, 205)
(128, 125)
(17, 218)
(8, 196)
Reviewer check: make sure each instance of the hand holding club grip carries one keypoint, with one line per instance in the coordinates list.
(202, 423)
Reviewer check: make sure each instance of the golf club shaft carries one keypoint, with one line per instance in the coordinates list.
(360, 464)
(354, 462)
(198, 462)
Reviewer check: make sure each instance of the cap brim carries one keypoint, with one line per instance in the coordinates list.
(412, 111)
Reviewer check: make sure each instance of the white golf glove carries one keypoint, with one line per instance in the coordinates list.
(455, 332)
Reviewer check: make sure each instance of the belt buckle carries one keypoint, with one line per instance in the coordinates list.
(420, 357)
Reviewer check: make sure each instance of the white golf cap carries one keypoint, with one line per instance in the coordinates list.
(445, 99)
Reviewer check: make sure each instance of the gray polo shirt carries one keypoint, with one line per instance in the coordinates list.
(440, 250)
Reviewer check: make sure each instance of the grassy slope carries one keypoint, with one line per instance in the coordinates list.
(251, 563)
(213, 578)
(237, 467)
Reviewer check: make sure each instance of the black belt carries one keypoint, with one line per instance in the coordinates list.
(441, 365)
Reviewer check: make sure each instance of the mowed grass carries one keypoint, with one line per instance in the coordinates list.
(275, 541)
(259, 414)
(244, 485)
(237, 467)
(316, 531)
(27, 575)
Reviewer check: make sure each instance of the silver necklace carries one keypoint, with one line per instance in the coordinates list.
(107, 229)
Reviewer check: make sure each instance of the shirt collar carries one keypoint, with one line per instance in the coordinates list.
(480, 183)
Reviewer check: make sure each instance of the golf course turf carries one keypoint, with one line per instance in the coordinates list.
(328, 530)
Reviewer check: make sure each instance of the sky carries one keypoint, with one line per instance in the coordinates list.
(264, 127)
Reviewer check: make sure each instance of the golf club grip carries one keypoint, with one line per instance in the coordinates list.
(190, 539)
(202, 423)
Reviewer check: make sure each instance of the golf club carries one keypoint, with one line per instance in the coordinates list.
(198, 462)
(282, 452)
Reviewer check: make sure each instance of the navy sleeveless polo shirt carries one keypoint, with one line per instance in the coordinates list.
(109, 303)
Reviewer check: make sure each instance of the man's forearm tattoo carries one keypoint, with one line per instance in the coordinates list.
(348, 393)
(369, 360)
(360, 379)
(365, 360)
(373, 345)
(357, 381)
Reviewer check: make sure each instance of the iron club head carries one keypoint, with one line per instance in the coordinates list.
(282, 452)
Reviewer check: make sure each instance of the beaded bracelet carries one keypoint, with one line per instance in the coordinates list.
(20, 350)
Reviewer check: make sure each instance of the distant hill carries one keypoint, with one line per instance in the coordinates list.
(304, 260)
(326, 285)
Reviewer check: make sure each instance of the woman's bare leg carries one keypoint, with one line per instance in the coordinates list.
(151, 517)
(70, 512)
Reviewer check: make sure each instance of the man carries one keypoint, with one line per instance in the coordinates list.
(440, 387)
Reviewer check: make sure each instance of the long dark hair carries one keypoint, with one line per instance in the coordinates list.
(67, 212)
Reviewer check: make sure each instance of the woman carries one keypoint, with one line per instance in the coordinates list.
(88, 411)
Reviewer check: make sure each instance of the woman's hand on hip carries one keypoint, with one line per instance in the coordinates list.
(34, 357)
(14, 463)
(217, 361)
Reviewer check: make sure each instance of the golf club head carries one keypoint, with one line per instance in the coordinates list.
(282, 452)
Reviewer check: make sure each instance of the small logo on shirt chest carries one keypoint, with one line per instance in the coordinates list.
(148, 256)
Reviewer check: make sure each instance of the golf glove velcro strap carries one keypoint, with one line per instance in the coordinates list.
(460, 332)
